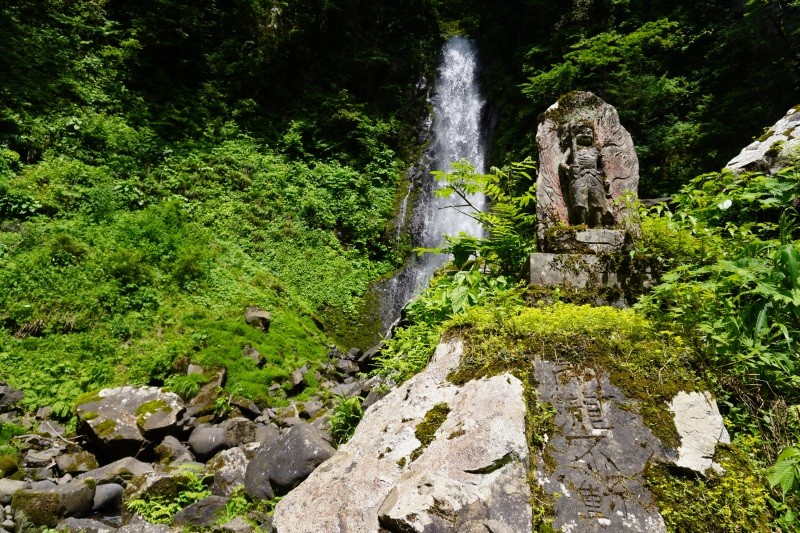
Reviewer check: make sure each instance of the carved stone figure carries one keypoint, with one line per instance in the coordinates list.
(589, 193)
(587, 165)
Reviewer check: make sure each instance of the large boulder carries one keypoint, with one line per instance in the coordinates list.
(777, 148)
(122, 421)
(282, 465)
(429, 456)
(47, 506)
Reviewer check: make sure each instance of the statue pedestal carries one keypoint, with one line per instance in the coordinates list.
(580, 271)
(587, 260)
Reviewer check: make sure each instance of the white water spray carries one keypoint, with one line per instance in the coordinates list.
(456, 134)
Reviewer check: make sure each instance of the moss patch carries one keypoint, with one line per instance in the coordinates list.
(40, 509)
(426, 429)
(9, 464)
(148, 408)
(105, 428)
(737, 501)
(649, 366)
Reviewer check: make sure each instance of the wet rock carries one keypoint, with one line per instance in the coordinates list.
(48, 506)
(205, 441)
(258, 318)
(203, 513)
(120, 471)
(701, 428)
(228, 469)
(120, 422)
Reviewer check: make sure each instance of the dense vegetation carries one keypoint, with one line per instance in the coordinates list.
(165, 164)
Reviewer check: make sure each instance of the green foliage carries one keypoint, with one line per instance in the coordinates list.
(736, 295)
(347, 413)
(735, 501)
(509, 220)
(449, 295)
(160, 509)
(185, 386)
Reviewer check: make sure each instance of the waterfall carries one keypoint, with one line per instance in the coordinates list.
(456, 133)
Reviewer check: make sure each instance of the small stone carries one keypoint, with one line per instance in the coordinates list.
(194, 369)
(258, 318)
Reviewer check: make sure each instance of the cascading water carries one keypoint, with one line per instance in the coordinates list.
(456, 134)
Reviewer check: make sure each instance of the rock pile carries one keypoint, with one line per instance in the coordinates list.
(141, 443)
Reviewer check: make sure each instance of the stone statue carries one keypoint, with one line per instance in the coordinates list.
(587, 165)
(589, 192)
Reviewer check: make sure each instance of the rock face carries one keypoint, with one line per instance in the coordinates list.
(471, 476)
(587, 163)
(700, 427)
(123, 420)
(597, 454)
(774, 150)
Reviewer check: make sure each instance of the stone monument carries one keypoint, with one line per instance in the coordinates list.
(588, 176)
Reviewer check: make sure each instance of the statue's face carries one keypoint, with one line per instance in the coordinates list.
(584, 135)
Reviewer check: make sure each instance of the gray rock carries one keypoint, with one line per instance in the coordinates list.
(598, 454)
(120, 471)
(8, 487)
(205, 441)
(258, 318)
(138, 524)
(282, 465)
(700, 427)
(9, 396)
(254, 355)
(238, 431)
(297, 380)
(194, 369)
(774, 150)
(267, 433)
(42, 458)
(246, 407)
(47, 507)
(310, 409)
(228, 468)
(346, 366)
(122, 420)
(237, 525)
(50, 428)
(84, 525)
(203, 513)
(76, 463)
(108, 497)
(476, 464)
(171, 451)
